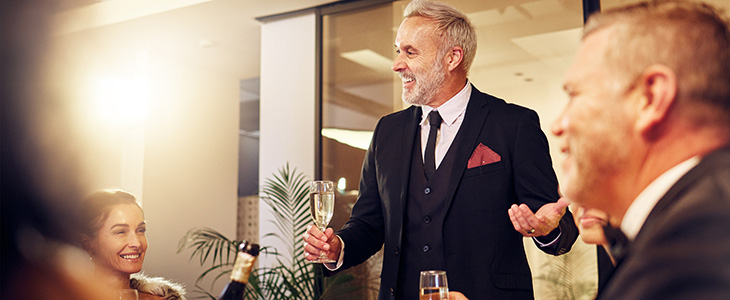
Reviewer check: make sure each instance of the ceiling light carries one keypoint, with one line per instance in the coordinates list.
(369, 59)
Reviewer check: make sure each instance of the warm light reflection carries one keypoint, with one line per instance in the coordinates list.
(354, 138)
(119, 100)
(369, 59)
(342, 184)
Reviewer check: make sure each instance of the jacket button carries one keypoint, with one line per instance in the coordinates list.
(392, 292)
(427, 219)
(427, 190)
(396, 251)
(426, 248)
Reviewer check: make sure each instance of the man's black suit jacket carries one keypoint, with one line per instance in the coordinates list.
(683, 249)
(484, 255)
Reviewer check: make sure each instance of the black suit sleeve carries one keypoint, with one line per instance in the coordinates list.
(364, 233)
(535, 180)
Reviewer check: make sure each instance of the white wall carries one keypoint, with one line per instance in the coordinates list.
(287, 103)
(191, 169)
(190, 164)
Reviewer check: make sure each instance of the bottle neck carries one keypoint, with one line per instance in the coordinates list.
(242, 267)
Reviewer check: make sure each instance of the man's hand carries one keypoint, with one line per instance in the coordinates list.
(454, 295)
(541, 223)
(315, 242)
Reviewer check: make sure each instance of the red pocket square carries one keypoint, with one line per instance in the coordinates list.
(482, 156)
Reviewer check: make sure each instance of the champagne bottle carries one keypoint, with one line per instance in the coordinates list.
(247, 253)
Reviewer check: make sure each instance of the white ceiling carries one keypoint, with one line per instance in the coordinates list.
(219, 35)
(224, 35)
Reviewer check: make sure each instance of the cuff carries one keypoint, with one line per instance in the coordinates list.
(340, 260)
(547, 241)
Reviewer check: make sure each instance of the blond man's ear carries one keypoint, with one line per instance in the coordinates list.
(454, 58)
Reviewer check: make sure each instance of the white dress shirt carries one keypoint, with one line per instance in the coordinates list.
(452, 112)
(646, 200)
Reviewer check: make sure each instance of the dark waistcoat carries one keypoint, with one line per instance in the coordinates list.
(426, 206)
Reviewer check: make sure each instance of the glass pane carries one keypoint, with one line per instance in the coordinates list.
(358, 87)
(524, 50)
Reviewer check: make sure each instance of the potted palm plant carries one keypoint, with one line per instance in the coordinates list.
(291, 277)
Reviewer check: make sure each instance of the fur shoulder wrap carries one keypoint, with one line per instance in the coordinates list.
(157, 286)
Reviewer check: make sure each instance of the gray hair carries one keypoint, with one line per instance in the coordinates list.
(453, 25)
(690, 38)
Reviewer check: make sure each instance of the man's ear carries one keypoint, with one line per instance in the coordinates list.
(454, 57)
(658, 88)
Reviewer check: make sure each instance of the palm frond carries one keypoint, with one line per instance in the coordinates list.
(204, 242)
(287, 193)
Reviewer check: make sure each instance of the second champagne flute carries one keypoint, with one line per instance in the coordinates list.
(322, 206)
(433, 285)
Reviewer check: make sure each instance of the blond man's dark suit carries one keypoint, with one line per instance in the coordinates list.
(484, 255)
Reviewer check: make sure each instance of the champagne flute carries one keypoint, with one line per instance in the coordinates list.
(433, 285)
(322, 205)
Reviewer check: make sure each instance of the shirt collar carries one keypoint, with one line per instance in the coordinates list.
(644, 203)
(451, 109)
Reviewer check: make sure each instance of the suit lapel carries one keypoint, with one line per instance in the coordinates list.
(409, 133)
(467, 137)
(709, 163)
(712, 161)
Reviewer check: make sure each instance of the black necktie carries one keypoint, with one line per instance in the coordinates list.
(429, 161)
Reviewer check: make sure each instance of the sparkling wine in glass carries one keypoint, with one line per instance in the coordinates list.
(322, 206)
(433, 285)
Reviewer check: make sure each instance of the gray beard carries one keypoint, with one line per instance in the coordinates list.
(426, 87)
